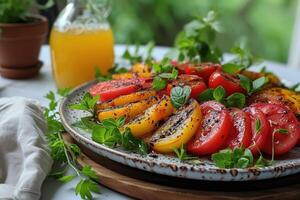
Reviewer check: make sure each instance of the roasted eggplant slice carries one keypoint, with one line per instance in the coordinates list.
(278, 95)
(126, 99)
(178, 129)
(149, 120)
(128, 111)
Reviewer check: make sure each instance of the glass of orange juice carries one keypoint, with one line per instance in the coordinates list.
(81, 40)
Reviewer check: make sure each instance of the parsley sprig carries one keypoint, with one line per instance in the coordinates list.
(164, 72)
(65, 153)
(87, 103)
(196, 43)
(237, 158)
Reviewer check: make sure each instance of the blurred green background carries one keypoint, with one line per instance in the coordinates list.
(266, 24)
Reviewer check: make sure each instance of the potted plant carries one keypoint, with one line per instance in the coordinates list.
(21, 36)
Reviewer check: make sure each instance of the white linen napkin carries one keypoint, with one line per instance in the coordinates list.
(25, 158)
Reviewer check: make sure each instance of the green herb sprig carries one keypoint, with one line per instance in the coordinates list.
(182, 155)
(180, 95)
(237, 100)
(237, 158)
(252, 86)
(137, 56)
(64, 153)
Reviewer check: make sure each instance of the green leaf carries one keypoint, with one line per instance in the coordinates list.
(257, 126)
(159, 83)
(223, 159)
(130, 143)
(219, 94)
(180, 95)
(236, 100)
(242, 163)
(85, 188)
(262, 162)
(231, 68)
(89, 172)
(182, 154)
(87, 103)
(245, 82)
(282, 131)
(66, 179)
(85, 123)
(206, 95)
(63, 92)
(259, 83)
(108, 137)
(75, 149)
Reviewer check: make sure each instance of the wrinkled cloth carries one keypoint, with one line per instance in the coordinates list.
(25, 158)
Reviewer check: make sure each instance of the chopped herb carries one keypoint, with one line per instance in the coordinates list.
(180, 95)
(257, 126)
(182, 154)
(159, 83)
(87, 103)
(236, 100)
(85, 123)
(253, 86)
(282, 131)
(206, 95)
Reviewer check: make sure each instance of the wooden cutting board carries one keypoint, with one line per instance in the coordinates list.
(138, 184)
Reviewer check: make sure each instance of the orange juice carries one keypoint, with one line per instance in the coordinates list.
(76, 54)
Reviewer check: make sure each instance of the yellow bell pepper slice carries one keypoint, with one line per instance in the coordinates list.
(140, 68)
(178, 130)
(148, 121)
(132, 75)
(128, 111)
(126, 99)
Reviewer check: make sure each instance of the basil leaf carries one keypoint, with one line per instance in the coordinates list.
(237, 100)
(231, 68)
(159, 83)
(180, 95)
(245, 82)
(206, 95)
(259, 83)
(219, 94)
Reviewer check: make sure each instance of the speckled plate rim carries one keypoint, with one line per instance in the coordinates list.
(167, 165)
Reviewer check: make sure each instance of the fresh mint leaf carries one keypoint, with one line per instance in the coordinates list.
(180, 95)
(206, 95)
(219, 94)
(231, 68)
(259, 83)
(236, 100)
(245, 82)
(159, 83)
(66, 179)
(106, 136)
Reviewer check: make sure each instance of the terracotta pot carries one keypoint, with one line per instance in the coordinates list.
(20, 46)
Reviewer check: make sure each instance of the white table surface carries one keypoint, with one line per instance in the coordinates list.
(37, 87)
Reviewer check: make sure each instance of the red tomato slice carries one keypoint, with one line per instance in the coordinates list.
(259, 137)
(241, 133)
(109, 90)
(214, 129)
(280, 118)
(179, 66)
(195, 82)
(204, 70)
(230, 83)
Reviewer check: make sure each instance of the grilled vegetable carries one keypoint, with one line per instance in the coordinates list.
(149, 120)
(126, 99)
(128, 111)
(178, 129)
(278, 95)
(273, 79)
(132, 75)
(141, 68)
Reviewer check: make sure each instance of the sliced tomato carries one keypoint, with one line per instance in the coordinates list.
(204, 70)
(214, 129)
(241, 132)
(229, 82)
(285, 128)
(260, 129)
(179, 66)
(195, 82)
(109, 90)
